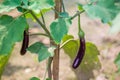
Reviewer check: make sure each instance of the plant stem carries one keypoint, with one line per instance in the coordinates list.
(42, 17)
(78, 13)
(79, 26)
(42, 25)
(63, 6)
(58, 7)
(49, 67)
(66, 42)
(56, 63)
(42, 34)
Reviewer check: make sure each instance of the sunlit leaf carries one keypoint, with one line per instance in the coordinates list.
(90, 58)
(71, 47)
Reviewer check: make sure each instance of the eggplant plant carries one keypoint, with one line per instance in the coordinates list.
(16, 29)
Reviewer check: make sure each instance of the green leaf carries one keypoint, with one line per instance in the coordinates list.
(25, 2)
(91, 53)
(89, 63)
(37, 5)
(8, 5)
(90, 58)
(103, 9)
(67, 37)
(80, 7)
(11, 31)
(115, 25)
(40, 49)
(59, 28)
(64, 15)
(48, 79)
(34, 5)
(117, 62)
(71, 47)
(3, 61)
(28, 15)
(34, 78)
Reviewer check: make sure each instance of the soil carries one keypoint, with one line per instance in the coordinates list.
(24, 67)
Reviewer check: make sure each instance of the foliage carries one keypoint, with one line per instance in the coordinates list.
(11, 29)
(8, 26)
(117, 62)
(59, 28)
(43, 51)
(91, 54)
(34, 78)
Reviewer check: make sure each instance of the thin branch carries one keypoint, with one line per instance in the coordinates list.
(42, 34)
(42, 25)
(66, 42)
(78, 13)
(24, 13)
(42, 17)
(49, 67)
(63, 6)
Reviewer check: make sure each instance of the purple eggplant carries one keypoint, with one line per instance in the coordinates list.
(25, 43)
(80, 54)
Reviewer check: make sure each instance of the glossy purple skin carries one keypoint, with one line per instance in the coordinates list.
(80, 54)
(25, 43)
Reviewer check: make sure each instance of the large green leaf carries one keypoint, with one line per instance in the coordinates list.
(28, 15)
(117, 62)
(59, 28)
(103, 9)
(90, 58)
(8, 5)
(71, 47)
(115, 28)
(11, 31)
(91, 54)
(89, 63)
(37, 5)
(34, 78)
(3, 61)
(43, 51)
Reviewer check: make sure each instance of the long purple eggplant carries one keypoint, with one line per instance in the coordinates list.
(80, 53)
(25, 43)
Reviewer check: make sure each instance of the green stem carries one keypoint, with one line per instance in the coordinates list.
(42, 34)
(79, 25)
(80, 31)
(78, 13)
(49, 67)
(66, 42)
(42, 25)
(24, 13)
(63, 6)
(42, 17)
(44, 78)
